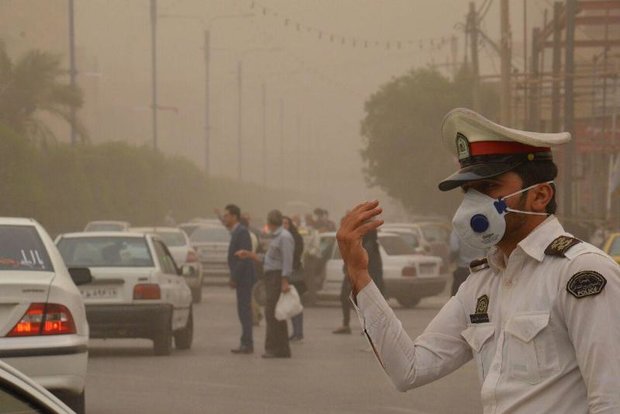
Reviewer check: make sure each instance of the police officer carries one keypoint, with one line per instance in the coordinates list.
(540, 314)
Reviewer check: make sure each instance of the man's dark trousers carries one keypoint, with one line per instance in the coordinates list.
(276, 339)
(244, 309)
(242, 273)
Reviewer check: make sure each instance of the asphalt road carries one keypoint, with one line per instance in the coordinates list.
(327, 374)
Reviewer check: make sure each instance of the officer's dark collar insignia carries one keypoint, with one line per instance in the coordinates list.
(462, 147)
(561, 245)
(478, 264)
(482, 309)
(586, 283)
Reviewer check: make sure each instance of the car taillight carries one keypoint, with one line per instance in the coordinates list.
(191, 257)
(409, 271)
(146, 291)
(45, 319)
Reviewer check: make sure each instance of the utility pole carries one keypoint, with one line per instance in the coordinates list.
(239, 120)
(556, 67)
(472, 26)
(282, 141)
(264, 132)
(454, 48)
(569, 104)
(73, 68)
(534, 89)
(207, 55)
(506, 64)
(154, 68)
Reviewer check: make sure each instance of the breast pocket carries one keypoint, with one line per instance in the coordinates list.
(531, 351)
(480, 338)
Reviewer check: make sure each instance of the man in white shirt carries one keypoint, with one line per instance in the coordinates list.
(540, 315)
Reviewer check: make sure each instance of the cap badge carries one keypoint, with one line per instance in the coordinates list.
(462, 146)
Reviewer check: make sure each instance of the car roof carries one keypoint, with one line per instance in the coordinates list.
(108, 222)
(17, 221)
(155, 229)
(123, 234)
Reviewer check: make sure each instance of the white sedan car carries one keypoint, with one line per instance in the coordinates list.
(407, 275)
(183, 254)
(137, 290)
(43, 327)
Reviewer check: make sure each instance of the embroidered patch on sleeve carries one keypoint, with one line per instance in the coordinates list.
(586, 283)
(482, 308)
(561, 245)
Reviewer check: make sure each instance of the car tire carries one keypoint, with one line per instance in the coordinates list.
(197, 294)
(77, 402)
(183, 337)
(162, 342)
(259, 293)
(408, 302)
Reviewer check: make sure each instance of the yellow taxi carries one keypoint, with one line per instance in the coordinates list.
(612, 246)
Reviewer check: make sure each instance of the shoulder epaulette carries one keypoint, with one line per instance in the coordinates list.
(478, 264)
(561, 245)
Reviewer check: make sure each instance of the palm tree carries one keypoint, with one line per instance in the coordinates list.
(29, 86)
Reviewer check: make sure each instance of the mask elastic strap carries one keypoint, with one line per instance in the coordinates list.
(525, 189)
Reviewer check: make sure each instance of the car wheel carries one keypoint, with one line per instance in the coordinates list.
(162, 342)
(309, 299)
(183, 337)
(77, 402)
(197, 294)
(408, 302)
(259, 294)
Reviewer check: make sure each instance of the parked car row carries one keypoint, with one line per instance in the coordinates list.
(54, 296)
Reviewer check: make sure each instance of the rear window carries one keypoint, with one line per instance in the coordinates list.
(395, 246)
(21, 248)
(210, 235)
(410, 239)
(105, 252)
(435, 233)
(172, 239)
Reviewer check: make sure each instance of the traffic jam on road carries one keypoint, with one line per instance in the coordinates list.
(116, 281)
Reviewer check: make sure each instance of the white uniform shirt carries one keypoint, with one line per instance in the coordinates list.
(542, 350)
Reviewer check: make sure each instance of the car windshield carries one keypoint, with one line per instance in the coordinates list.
(105, 227)
(172, 239)
(21, 248)
(434, 233)
(105, 252)
(210, 235)
(395, 246)
(614, 249)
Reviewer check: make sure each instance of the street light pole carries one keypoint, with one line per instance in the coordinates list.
(207, 53)
(264, 132)
(239, 119)
(154, 68)
(73, 69)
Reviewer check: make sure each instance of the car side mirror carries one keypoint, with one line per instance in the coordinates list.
(80, 275)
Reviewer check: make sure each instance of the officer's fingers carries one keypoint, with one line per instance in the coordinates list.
(367, 215)
(368, 226)
(358, 214)
(366, 205)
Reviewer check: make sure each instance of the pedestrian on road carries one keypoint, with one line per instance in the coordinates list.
(370, 243)
(242, 275)
(297, 277)
(278, 267)
(463, 254)
(539, 315)
(257, 316)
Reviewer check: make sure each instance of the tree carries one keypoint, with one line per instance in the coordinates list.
(403, 149)
(30, 85)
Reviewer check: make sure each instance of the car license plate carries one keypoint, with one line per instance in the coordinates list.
(427, 269)
(98, 292)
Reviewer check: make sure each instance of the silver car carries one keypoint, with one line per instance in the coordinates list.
(211, 242)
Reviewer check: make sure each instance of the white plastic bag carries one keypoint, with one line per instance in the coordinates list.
(288, 305)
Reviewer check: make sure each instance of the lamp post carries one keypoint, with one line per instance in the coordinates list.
(207, 24)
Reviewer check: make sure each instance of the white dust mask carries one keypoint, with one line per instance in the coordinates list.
(479, 221)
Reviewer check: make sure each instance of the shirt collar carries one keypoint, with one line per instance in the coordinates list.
(277, 231)
(533, 245)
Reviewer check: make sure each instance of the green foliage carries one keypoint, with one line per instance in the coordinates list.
(64, 187)
(31, 84)
(403, 151)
